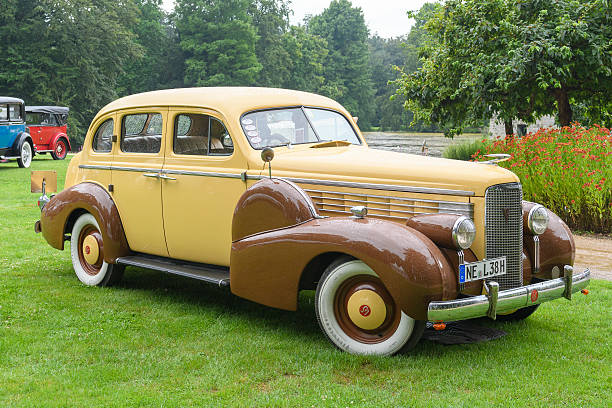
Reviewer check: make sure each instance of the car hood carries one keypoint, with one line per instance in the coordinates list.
(365, 165)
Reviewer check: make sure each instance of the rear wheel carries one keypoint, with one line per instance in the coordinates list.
(25, 155)
(60, 150)
(357, 313)
(87, 252)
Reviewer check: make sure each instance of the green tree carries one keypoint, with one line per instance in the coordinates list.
(307, 55)
(66, 52)
(511, 58)
(161, 64)
(218, 39)
(347, 69)
(271, 20)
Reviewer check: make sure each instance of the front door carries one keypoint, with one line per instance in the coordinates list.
(136, 181)
(202, 187)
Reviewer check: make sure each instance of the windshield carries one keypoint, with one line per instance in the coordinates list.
(279, 127)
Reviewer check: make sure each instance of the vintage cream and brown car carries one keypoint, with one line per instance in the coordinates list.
(178, 181)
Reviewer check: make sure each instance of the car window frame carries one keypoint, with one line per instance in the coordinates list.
(307, 118)
(93, 136)
(208, 154)
(124, 115)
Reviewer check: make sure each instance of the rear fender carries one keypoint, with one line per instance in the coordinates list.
(89, 197)
(54, 140)
(267, 267)
(22, 138)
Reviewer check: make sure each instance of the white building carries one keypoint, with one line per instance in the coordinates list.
(497, 128)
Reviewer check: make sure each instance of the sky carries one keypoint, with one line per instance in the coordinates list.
(387, 18)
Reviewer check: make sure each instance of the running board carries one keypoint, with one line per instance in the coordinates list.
(216, 275)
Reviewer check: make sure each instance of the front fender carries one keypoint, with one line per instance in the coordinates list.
(557, 247)
(94, 199)
(266, 267)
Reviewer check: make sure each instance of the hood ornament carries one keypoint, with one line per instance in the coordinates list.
(496, 158)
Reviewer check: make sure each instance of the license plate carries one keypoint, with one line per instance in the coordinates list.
(482, 270)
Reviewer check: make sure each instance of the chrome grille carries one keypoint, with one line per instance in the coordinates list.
(504, 231)
(332, 203)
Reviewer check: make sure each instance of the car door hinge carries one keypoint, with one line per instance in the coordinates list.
(243, 176)
(114, 139)
(111, 188)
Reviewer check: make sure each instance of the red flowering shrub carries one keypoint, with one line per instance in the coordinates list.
(568, 170)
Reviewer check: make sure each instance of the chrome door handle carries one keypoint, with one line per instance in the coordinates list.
(153, 175)
(166, 177)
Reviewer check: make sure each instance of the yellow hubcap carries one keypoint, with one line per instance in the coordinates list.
(91, 250)
(366, 309)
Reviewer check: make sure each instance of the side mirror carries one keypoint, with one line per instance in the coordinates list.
(267, 154)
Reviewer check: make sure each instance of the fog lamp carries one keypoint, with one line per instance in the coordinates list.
(464, 232)
(537, 220)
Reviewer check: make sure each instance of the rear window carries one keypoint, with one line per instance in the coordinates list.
(102, 140)
(15, 112)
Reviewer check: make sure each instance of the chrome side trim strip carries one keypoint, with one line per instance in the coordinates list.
(202, 173)
(372, 186)
(144, 169)
(507, 300)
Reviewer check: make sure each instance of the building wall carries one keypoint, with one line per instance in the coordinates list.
(497, 129)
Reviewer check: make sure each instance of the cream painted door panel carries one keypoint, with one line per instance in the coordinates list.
(136, 179)
(199, 203)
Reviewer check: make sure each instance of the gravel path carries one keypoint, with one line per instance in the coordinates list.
(591, 252)
(595, 254)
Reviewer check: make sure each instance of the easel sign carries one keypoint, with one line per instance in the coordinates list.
(43, 181)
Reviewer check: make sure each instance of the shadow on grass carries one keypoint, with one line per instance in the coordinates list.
(180, 290)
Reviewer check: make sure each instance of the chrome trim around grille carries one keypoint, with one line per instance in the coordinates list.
(504, 231)
(410, 206)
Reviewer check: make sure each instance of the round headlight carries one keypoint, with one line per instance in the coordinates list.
(537, 220)
(464, 232)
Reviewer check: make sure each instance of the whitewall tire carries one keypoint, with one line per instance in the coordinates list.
(87, 253)
(357, 313)
(25, 155)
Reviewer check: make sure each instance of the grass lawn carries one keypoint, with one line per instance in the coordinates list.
(159, 340)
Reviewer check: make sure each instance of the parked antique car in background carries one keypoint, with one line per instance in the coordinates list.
(48, 129)
(269, 192)
(15, 140)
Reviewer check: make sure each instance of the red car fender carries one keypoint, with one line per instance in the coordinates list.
(58, 136)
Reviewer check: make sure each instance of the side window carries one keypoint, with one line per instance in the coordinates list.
(15, 112)
(141, 133)
(197, 134)
(3, 113)
(102, 140)
(220, 141)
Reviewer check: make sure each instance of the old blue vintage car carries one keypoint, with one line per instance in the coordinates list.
(15, 139)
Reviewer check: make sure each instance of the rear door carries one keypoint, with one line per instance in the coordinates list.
(136, 172)
(202, 187)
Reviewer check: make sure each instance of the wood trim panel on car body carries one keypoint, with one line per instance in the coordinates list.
(93, 198)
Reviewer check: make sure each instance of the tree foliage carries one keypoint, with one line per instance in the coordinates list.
(218, 40)
(511, 58)
(347, 69)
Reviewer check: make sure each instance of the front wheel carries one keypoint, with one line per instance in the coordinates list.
(60, 150)
(357, 313)
(25, 155)
(87, 252)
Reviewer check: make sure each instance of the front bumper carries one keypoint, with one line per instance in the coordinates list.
(508, 300)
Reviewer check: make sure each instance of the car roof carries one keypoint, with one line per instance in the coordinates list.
(8, 99)
(62, 110)
(229, 100)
